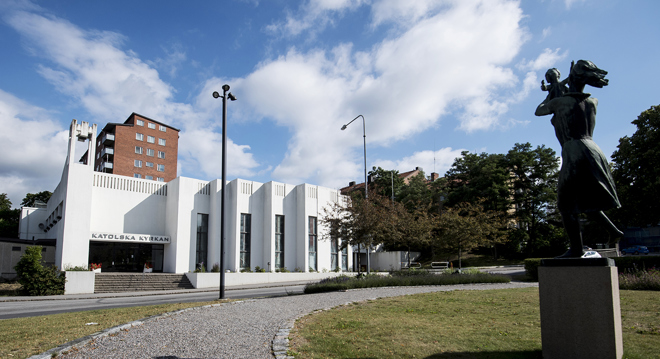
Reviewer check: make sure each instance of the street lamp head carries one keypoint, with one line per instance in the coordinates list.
(231, 97)
(216, 94)
(225, 87)
(343, 127)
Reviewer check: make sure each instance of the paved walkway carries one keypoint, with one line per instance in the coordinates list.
(244, 329)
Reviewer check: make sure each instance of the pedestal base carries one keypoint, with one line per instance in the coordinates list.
(580, 309)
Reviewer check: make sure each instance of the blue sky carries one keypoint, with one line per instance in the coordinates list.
(431, 78)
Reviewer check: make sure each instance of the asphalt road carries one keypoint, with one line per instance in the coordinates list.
(31, 308)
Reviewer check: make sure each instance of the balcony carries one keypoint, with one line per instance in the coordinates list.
(108, 138)
(106, 166)
(107, 151)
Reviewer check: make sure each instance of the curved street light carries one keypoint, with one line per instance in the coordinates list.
(366, 184)
(225, 95)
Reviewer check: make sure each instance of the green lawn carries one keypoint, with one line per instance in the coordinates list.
(459, 324)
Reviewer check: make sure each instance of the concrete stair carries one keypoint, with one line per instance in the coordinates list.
(139, 282)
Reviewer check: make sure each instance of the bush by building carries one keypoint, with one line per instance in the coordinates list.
(37, 279)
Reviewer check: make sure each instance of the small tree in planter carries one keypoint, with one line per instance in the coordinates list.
(35, 279)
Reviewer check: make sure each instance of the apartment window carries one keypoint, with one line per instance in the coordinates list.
(334, 255)
(161, 141)
(245, 239)
(139, 136)
(202, 239)
(160, 179)
(151, 139)
(139, 122)
(313, 243)
(161, 154)
(150, 164)
(163, 128)
(149, 177)
(151, 125)
(138, 163)
(137, 175)
(138, 150)
(344, 259)
(160, 168)
(150, 152)
(279, 241)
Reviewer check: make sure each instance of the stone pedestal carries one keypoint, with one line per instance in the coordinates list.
(580, 309)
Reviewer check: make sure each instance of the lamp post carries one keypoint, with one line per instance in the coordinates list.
(225, 96)
(366, 184)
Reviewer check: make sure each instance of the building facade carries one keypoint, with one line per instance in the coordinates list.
(140, 148)
(127, 223)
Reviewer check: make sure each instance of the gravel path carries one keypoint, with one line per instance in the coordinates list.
(234, 330)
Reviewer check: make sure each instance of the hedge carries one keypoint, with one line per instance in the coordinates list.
(624, 264)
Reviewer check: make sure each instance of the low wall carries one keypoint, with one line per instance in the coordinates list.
(79, 282)
(212, 280)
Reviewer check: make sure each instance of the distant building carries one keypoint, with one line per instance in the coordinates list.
(140, 148)
(405, 176)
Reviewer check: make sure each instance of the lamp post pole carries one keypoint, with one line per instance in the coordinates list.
(225, 95)
(366, 184)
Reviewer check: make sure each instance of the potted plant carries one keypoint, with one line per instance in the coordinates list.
(147, 268)
(95, 267)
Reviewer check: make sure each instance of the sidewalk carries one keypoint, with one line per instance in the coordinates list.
(149, 293)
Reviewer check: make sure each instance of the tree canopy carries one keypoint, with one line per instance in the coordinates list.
(31, 198)
(636, 172)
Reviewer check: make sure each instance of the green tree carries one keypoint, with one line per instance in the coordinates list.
(466, 226)
(34, 278)
(8, 218)
(416, 193)
(636, 171)
(31, 198)
(384, 181)
(534, 174)
(404, 228)
(5, 202)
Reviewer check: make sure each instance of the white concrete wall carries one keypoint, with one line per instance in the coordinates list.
(212, 280)
(78, 282)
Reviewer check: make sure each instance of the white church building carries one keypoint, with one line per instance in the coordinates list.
(128, 224)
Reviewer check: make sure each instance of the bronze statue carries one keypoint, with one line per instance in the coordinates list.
(585, 182)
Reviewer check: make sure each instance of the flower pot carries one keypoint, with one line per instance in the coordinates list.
(147, 270)
(97, 270)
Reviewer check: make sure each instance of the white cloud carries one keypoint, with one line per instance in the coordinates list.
(33, 148)
(570, 3)
(439, 161)
(313, 16)
(111, 83)
(547, 59)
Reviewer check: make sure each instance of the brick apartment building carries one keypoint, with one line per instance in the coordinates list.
(140, 148)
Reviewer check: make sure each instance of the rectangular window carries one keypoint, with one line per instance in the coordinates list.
(162, 128)
(161, 154)
(151, 139)
(334, 257)
(149, 177)
(313, 243)
(279, 241)
(137, 175)
(160, 179)
(344, 259)
(139, 122)
(139, 137)
(161, 141)
(151, 125)
(202, 240)
(150, 152)
(138, 150)
(160, 168)
(150, 164)
(245, 239)
(138, 163)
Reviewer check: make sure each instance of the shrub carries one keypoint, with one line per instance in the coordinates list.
(640, 280)
(632, 263)
(258, 269)
(200, 268)
(369, 281)
(35, 279)
(532, 267)
(216, 268)
(282, 270)
(70, 268)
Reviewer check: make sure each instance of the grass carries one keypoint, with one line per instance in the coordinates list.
(404, 278)
(458, 324)
(23, 337)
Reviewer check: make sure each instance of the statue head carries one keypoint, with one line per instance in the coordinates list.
(552, 76)
(587, 73)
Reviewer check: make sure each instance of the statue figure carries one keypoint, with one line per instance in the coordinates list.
(554, 87)
(585, 182)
